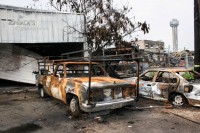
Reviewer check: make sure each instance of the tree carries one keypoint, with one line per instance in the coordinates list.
(105, 25)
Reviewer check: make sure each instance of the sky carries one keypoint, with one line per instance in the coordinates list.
(157, 13)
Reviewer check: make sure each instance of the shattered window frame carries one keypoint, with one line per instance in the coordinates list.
(166, 77)
(60, 72)
(82, 70)
(150, 77)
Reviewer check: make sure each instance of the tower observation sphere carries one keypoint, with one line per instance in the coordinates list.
(174, 23)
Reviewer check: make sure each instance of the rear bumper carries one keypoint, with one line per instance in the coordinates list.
(106, 105)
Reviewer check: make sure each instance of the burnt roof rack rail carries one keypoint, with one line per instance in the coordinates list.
(69, 57)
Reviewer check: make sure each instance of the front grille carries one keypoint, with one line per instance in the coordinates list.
(99, 95)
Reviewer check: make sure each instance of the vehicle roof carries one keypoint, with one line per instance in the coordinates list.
(177, 69)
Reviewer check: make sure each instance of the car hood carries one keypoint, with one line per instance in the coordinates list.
(196, 86)
(131, 79)
(99, 82)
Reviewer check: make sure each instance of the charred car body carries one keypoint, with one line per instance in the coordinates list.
(177, 85)
(85, 86)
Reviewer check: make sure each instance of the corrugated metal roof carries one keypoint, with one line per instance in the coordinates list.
(34, 10)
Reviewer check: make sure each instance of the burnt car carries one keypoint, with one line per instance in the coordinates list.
(85, 86)
(180, 86)
(123, 70)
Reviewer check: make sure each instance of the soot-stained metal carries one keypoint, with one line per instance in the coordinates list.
(178, 85)
(84, 85)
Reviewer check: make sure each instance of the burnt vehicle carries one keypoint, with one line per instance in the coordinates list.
(123, 70)
(85, 86)
(45, 67)
(180, 86)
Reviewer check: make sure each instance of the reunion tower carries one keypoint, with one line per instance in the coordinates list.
(174, 24)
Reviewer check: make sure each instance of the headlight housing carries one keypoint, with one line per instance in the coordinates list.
(188, 88)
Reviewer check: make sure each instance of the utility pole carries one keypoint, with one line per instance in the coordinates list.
(168, 53)
(196, 35)
(186, 58)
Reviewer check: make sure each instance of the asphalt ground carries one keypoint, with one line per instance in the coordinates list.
(22, 110)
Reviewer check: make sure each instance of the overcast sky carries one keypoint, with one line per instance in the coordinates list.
(157, 13)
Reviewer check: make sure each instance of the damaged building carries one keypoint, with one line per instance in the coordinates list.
(29, 34)
(152, 52)
(154, 55)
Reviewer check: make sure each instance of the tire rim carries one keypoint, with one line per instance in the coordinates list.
(41, 92)
(73, 105)
(178, 100)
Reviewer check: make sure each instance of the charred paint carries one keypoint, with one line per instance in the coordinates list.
(161, 89)
(103, 88)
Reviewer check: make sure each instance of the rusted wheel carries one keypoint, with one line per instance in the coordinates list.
(42, 93)
(74, 107)
(178, 100)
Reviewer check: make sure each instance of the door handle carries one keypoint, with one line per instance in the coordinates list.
(148, 84)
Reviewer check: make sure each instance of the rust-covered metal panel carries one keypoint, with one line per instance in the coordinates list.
(23, 25)
(72, 79)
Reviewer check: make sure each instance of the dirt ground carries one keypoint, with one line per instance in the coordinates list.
(25, 112)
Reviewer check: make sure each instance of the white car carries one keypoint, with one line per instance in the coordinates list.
(180, 86)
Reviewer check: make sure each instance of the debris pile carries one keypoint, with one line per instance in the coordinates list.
(175, 59)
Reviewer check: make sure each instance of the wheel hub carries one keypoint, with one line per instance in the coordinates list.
(178, 100)
(41, 92)
(73, 105)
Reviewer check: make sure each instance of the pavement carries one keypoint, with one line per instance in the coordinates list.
(17, 89)
(25, 111)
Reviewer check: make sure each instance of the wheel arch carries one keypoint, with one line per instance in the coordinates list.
(171, 94)
(40, 86)
(69, 97)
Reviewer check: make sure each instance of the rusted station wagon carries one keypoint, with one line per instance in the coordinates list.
(85, 86)
(180, 86)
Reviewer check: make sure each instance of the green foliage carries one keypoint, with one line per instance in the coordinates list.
(188, 75)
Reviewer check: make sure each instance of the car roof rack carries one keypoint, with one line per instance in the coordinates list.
(86, 56)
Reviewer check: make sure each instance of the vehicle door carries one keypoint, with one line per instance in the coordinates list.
(58, 81)
(165, 82)
(146, 83)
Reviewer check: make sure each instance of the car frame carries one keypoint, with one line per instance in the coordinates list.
(87, 93)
